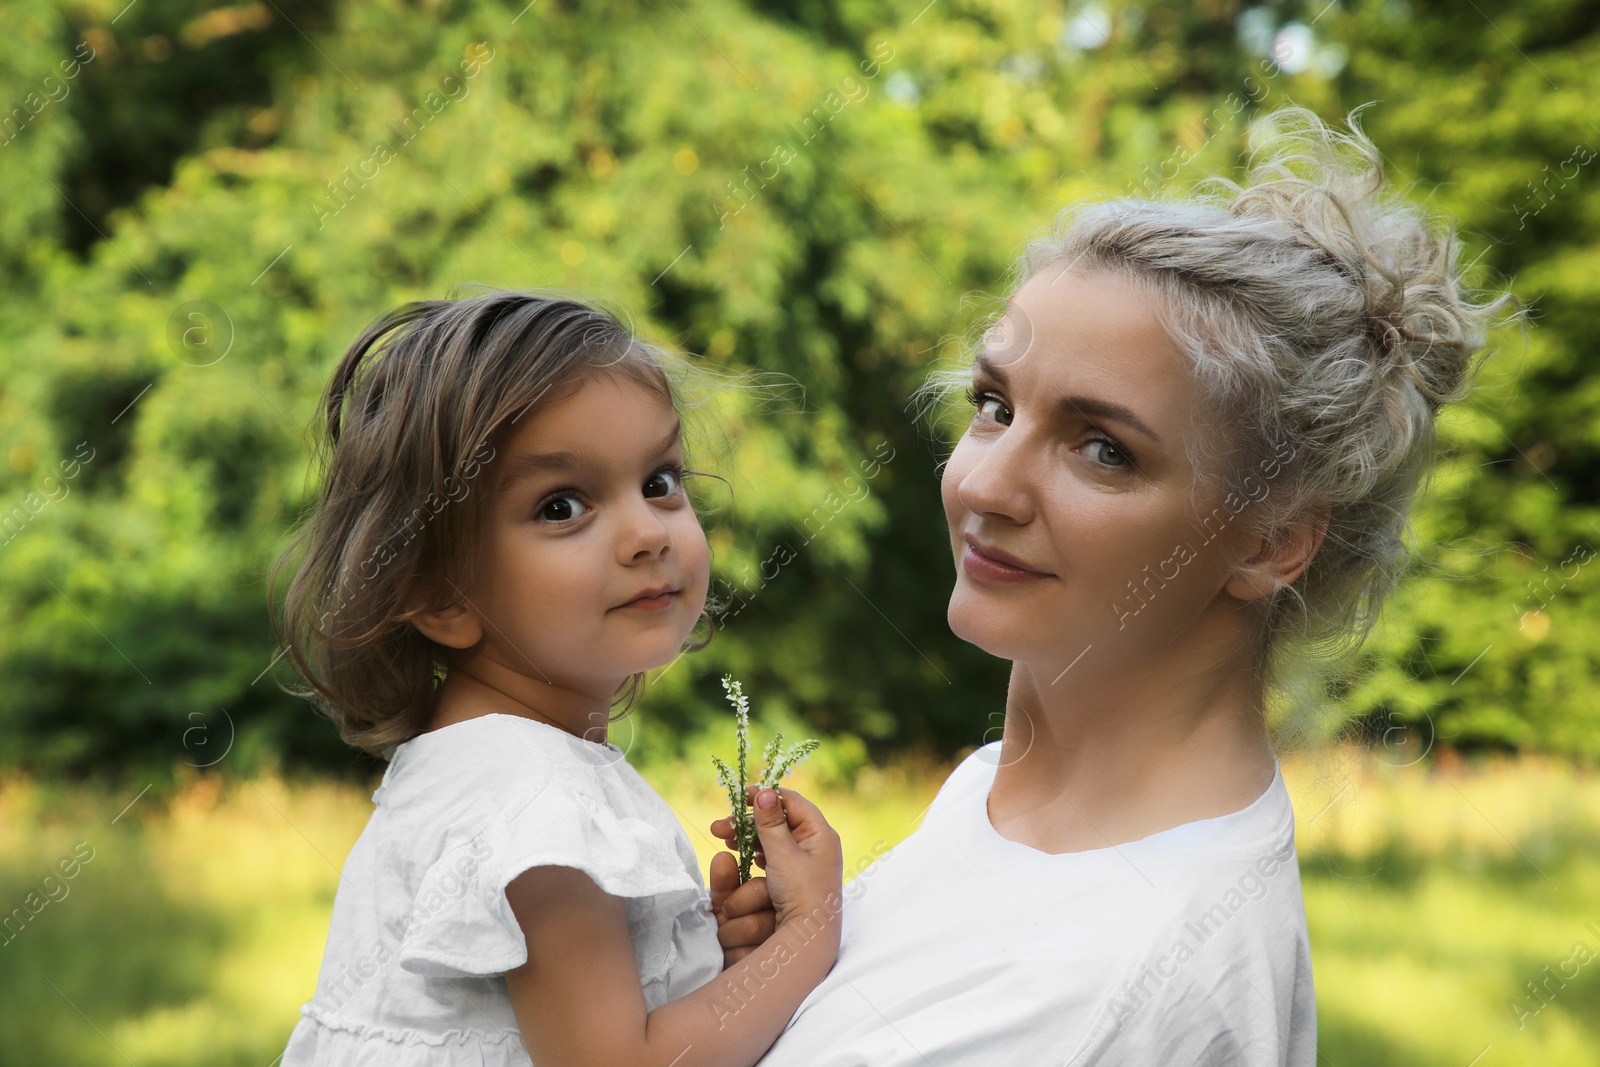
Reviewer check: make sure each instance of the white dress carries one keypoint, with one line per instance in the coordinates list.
(422, 933)
(962, 948)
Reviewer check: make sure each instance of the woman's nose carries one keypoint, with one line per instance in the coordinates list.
(999, 483)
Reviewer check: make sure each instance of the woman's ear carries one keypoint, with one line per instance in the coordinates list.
(1280, 559)
(455, 627)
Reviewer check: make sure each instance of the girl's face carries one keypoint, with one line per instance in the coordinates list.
(1068, 496)
(593, 564)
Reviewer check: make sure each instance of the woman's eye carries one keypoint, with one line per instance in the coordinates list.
(667, 481)
(1109, 453)
(563, 507)
(982, 401)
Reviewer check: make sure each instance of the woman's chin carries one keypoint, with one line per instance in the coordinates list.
(998, 633)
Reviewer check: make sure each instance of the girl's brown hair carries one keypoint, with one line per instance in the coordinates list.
(410, 420)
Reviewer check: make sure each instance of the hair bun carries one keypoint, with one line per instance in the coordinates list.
(1383, 289)
(1329, 187)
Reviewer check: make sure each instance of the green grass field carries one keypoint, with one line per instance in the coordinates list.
(192, 926)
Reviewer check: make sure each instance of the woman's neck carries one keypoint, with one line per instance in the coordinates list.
(1110, 761)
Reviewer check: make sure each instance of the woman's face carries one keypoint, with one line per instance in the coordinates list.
(1068, 497)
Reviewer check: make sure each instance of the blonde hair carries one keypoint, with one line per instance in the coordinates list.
(411, 419)
(1322, 314)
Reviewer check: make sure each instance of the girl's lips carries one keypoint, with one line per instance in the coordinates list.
(651, 603)
(996, 572)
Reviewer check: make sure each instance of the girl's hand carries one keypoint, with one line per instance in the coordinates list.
(723, 830)
(803, 860)
(744, 913)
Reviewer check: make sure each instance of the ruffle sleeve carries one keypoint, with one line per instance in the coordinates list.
(460, 923)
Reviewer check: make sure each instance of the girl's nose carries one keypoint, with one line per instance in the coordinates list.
(647, 534)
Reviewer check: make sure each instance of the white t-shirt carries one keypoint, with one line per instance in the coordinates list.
(961, 947)
(422, 934)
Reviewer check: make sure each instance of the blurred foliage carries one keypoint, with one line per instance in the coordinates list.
(224, 195)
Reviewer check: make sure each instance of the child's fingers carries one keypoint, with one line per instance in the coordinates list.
(804, 818)
(772, 825)
(748, 899)
(722, 828)
(723, 880)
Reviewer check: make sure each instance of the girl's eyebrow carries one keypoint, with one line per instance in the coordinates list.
(1087, 406)
(530, 463)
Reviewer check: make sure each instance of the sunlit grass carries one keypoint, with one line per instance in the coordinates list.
(194, 933)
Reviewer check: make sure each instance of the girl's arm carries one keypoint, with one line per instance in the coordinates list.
(578, 1001)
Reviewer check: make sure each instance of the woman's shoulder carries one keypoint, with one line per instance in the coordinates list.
(972, 775)
(1245, 861)
(1265, 825)
(1222, 968)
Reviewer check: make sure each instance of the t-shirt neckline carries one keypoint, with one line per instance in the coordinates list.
(603, 746)
(984, 834)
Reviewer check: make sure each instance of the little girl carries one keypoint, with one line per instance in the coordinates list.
(501, 549)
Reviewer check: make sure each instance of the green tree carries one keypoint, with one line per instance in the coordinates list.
(832, 191)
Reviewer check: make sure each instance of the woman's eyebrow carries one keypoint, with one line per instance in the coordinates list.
(530, 463)
(1091, 407)
(1087, 406)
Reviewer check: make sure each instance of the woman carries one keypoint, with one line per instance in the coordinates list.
(1196, 436)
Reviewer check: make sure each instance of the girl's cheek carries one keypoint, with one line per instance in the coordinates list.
(691, 541)
(704, 569)
(702, 575)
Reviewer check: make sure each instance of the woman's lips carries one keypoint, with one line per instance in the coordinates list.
(1004, 570)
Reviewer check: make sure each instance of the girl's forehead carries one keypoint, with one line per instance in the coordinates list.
(597, 403)
(602, 415)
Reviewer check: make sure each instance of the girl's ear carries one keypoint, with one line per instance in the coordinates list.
(454, 627)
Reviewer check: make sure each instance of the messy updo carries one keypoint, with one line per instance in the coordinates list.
(1327, 321)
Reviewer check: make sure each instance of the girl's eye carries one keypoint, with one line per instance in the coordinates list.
(668, 481)
(981, 401)
(562, 508)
